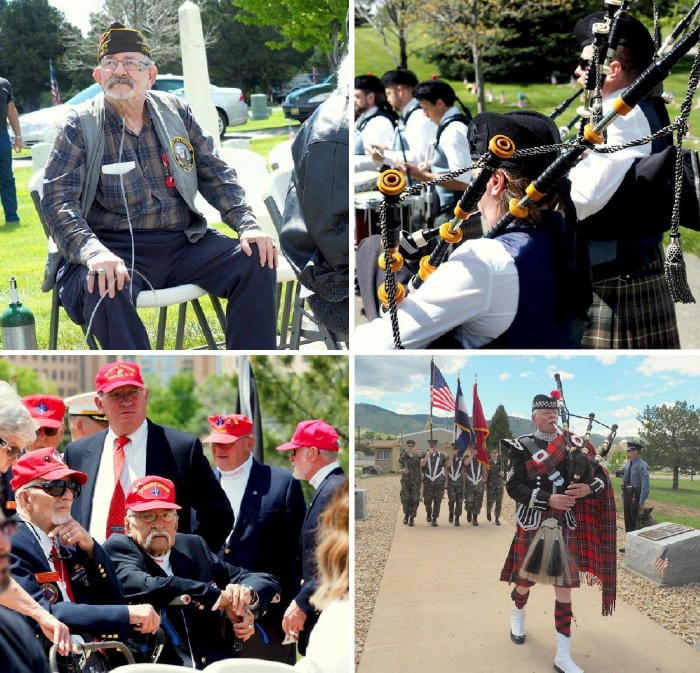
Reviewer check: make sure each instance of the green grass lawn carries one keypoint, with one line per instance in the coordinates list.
(24, 253)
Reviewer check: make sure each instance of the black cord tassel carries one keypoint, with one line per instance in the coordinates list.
(555, 567)
(535, 561)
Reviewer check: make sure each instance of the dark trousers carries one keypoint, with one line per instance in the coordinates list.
(433, 492)
(166, 259)
(630, 502)
(8, 191)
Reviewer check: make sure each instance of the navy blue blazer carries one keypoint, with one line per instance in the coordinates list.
(20, 651)
(196, 572)
(99, 610)
(172, 454)
(266, 533)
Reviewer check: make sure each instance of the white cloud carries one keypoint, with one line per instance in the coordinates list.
(624, 412)
(679, 363)
(526, 375)
(565, 376)
(408, 408)
(504, 376)
(607, 358)
(617, 398)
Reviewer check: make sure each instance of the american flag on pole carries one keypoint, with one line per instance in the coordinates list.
(464, 435)
(662, 562)
(440, 394)
(55, 93)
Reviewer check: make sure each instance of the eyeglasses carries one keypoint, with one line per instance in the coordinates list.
(166, 516)
(129, 64)
(57, 487)
(49, 432)
(584, 63)
(11, 450)
(8, 527)
(123, 396)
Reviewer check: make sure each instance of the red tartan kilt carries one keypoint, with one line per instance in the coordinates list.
(518, 550)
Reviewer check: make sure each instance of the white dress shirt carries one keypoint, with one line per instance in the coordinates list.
(134, 467)
(316, 480)
(234, 483)
(476, 291)
(597, 176)
(419, 133)
(454, 142)
(377, 131)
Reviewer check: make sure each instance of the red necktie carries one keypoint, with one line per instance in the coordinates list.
(60, 567)
(115, 518)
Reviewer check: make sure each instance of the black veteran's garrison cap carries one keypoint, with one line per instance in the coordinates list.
(118, 39)
(526, 128)
(400, 76)
(631, 33)
(370, 83)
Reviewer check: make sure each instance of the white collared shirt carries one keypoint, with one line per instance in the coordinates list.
(316, 480)
(234, 483)
(378, 131)
(134, 467)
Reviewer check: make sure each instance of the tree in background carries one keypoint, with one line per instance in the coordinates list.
(499, 428)
(391, 19)
(303, 25)
(31, 33)
(671, 437)
(174, 404)
(25, 381)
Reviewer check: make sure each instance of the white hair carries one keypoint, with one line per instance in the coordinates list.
(15, 420)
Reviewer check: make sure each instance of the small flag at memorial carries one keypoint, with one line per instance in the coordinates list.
(662, 562)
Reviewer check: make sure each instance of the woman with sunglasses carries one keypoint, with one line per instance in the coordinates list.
(48, 412)
(17, 429)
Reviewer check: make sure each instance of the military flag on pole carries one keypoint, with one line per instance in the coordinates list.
(481, 430)
(464, 435)
(55, 93)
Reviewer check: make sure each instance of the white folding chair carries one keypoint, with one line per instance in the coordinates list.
(280, 156)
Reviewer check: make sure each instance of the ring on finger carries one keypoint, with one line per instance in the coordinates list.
(100, 272)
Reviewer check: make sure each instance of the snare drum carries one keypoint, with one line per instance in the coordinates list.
(367, 205)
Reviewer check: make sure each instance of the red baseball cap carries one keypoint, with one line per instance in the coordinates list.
(151, 492)
(313, 433)
(46, 410)
(43, 464)
(227, 429)
(116, 374)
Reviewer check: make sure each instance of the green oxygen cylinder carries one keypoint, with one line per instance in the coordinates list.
(17, 322)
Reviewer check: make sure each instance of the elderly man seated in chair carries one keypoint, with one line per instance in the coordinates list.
(207, 606)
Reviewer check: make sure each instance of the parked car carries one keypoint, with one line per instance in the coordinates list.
(40, 125)
(300, 81)
(301, 103)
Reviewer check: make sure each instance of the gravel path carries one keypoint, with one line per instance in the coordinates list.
(676, 609)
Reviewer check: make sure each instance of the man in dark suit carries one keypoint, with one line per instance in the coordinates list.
(56, 560)
(313, 450)
(147, 449)
(269, 508)
(157, 564)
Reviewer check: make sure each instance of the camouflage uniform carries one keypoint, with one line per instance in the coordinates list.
(433, 485)
(455, 488)
(410, 485)
(473, 489)
(494, 489)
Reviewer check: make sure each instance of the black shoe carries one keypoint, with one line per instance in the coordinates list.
(433, 523)
(518, 640)
(469, 517)
(410, 521)
(456, 521)
(474, 521)
(450, 519)
(428, 518)
(488, 516)
(405, 519)
(498, 523)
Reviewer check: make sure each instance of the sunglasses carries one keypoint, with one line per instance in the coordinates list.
(12, 450)
(8, 527)
(57, 487)
(49, 432)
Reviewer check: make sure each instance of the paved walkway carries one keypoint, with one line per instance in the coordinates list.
(441, 609)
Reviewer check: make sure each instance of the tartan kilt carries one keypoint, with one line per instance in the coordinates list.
(518, 550)
(632, 313)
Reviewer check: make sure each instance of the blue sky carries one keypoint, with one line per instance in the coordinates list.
(615, 387)
(78, 12)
